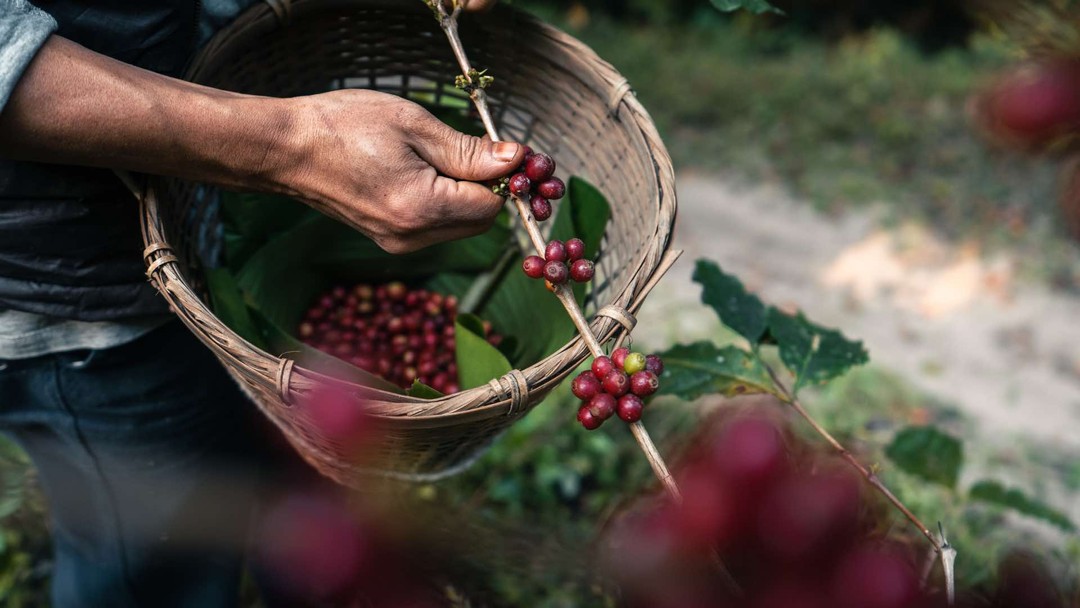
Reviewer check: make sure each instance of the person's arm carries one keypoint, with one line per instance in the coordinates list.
(375, 161)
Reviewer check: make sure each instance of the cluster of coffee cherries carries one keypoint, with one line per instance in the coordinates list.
(790, 523)
(535, 182)
(561, 262)
(616, 385)
(393, 331)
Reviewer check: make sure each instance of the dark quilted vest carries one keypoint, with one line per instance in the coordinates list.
(69, 236)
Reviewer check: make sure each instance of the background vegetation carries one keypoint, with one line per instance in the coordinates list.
(845, 104)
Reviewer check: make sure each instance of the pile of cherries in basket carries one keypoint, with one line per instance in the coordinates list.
(616, 385)
(390, 330)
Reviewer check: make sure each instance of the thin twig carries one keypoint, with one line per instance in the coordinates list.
(870, 476)
(449, 25)
(948, 560)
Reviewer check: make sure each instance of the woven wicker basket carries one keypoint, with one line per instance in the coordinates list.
(552, 92)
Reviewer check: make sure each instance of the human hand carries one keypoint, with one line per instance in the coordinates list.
(389, 168)
(471, 5)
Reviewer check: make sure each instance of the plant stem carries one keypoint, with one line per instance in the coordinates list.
(449, 24)
(564, 293)
(871, 477)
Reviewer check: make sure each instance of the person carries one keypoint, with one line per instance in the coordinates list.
(137, 433)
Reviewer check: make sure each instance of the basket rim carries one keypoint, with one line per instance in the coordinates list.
(166, 274)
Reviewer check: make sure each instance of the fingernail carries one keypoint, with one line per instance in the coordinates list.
(505, 151)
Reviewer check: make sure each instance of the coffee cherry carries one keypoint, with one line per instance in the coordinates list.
(396, 290)
(556, 272)
(575, 249)
(634, 363)
(751, 452)
(541, 208)
(644, 383)
(533, 266)
(617, 383)
(539, 167)
(602, 366)
(552, 189)
(618, 356)
(520, 185)
(630, 407)
(306, 330)
(585, 386)
(602, 406)
(654, 364)
(874, 578)
(582, 271)
(555, 251)
(587, 419)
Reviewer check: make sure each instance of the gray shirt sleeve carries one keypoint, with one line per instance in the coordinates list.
(23, 29)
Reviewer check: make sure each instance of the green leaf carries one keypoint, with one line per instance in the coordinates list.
(814, 354)
(422, 391)
(737, 308)
(478, 361)
(702, 368)
(589, 213)
(928, 453)
(250, 220)
(995, 493)
(754, 6)
(229, 305)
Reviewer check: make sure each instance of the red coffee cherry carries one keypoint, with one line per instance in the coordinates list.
(540, 207)
(618, 356)
(533, 266)
(575, 249)
(587, 419)
(586, 386)
(617, 383)
(602, 406)
(539, 167)
(552, 189)
(630, 407)
(582, 271)
(555, 251)
(519, 184)
(602, 366)
(654, 364)
(556, 273)
(644, 383)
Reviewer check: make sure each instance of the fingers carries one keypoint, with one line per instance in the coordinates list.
(470, 5)
(443, 210)
(478, 5)
(463, 156)
(467, 201)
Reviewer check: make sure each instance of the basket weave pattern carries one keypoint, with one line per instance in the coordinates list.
(551, 92)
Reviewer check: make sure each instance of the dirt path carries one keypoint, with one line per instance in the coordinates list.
(955, 324)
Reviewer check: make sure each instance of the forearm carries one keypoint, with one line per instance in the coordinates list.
(74, 106)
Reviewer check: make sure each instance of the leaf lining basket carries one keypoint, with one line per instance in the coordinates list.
(551, 91)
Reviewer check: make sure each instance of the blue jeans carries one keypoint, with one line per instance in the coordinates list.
(152, 464)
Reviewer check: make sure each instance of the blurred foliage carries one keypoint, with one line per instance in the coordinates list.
(25, 563)
(867, 120)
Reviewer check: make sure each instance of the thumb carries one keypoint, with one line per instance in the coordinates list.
(462, 156)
